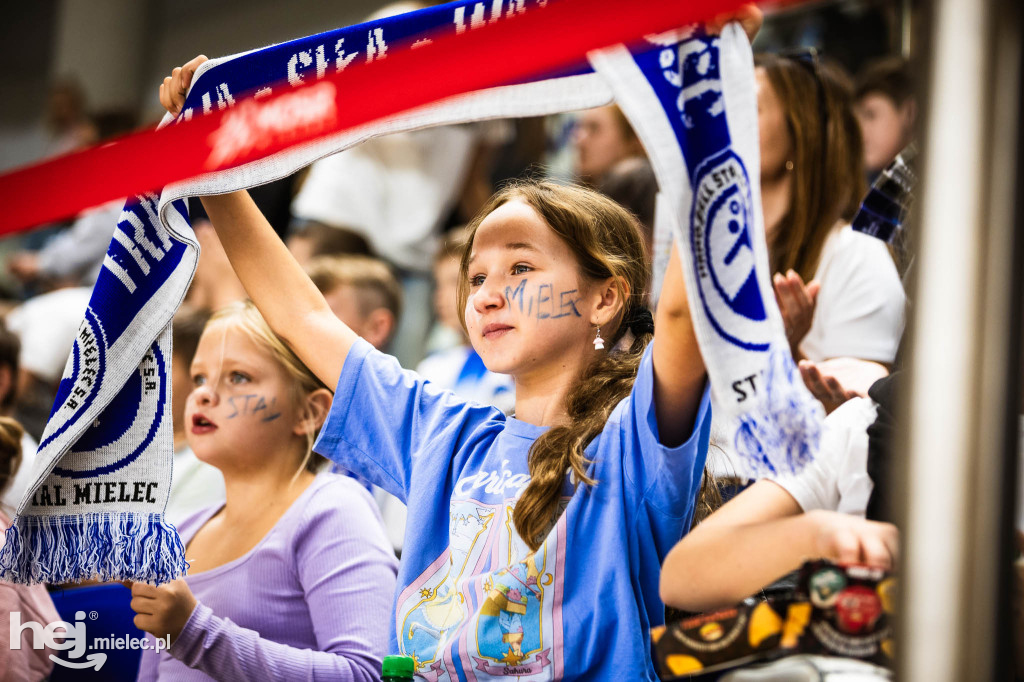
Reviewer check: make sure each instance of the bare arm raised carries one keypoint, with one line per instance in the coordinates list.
(757, 537)
(679, 374)
(276, 283)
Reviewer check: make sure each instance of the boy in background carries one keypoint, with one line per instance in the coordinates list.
(362, 292)
(885, 108)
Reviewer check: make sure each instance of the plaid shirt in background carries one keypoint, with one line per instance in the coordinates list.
(884, 210)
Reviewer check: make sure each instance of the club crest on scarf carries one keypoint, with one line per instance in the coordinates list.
(723, 209)
(138, 411)
(103, 466)
(725, 265)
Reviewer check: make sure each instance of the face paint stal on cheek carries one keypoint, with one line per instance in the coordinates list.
(254, 405)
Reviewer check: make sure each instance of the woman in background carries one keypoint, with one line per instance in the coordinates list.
(812, 181)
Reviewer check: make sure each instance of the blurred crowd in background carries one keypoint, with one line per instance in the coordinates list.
(379, 229)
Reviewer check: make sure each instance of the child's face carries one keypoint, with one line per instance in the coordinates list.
(527, 310)
(344, 303)
(241, 410)
(884, 127)
(600, 142)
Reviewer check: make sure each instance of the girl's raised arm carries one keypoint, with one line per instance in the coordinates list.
(276, 283)
(678, 366)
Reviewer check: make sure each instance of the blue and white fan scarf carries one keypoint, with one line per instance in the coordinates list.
(104, 466)
(693, 103)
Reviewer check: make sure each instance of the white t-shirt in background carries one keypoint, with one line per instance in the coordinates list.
(195, 485)
(861, 306)
(47, 326)
(396, 190)
(837, 479)
(23, 477)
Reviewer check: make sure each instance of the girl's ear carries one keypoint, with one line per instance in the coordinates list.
(314, 412)
(610, 297)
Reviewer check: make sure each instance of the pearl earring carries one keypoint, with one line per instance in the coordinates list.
(598, 341)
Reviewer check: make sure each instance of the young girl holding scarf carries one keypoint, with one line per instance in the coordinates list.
(278, 571)
(534, 541)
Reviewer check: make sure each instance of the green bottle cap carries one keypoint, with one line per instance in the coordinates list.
(398, 666)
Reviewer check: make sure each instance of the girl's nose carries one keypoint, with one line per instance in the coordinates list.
(490, 295)
(204, 395)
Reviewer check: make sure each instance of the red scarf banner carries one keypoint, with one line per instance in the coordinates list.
(517, 48)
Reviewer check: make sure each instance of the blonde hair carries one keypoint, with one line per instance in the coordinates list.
(371, 278)
(607, 241)
(244, 317)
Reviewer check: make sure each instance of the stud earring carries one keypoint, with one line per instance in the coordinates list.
(598, 341)
(789, 165)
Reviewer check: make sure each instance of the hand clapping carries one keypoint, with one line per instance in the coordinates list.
(796, 303)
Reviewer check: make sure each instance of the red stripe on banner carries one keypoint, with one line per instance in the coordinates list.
(517, 48)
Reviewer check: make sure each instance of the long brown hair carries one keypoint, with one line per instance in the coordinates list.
(828, 166)
(607, 242)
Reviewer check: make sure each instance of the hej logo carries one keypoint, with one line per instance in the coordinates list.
(70, 637)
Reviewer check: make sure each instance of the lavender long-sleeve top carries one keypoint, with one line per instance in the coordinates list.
(311, 601)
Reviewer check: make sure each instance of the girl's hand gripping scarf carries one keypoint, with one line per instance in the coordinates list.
(103, 471)
(692, 101)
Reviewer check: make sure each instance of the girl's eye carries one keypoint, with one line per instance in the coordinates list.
(238, 378)
(198, 380)
(476, 280)
(520, 269)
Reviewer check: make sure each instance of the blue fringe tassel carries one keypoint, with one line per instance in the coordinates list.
(106, 546)
(783, 436)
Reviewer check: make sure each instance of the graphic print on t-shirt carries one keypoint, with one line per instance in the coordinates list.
(501, 623)
(516, 626)
(433, 605)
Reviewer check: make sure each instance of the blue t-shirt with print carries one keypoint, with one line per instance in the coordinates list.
(473, 602)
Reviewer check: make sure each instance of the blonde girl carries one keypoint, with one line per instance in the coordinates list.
(277, 571)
